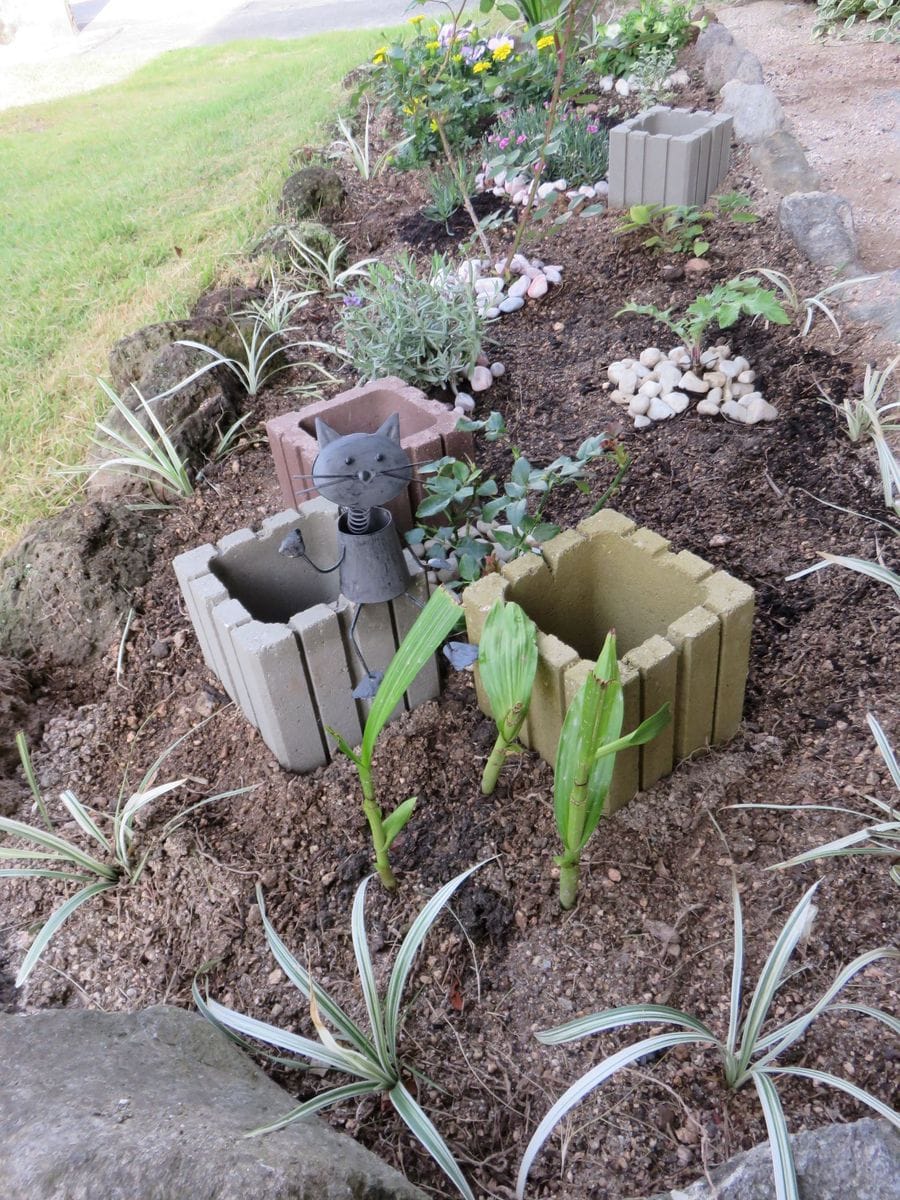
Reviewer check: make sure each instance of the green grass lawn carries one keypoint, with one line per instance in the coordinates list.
(119, 206)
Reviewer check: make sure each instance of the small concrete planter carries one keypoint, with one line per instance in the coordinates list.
(427, 431)
(668, 156)
(683, 633)
(276, 634)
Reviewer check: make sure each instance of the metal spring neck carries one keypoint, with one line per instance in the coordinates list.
(358, 520)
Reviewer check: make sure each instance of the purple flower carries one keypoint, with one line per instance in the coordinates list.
(503, 143)
(520, 139)
(352, 300)
(593, 128)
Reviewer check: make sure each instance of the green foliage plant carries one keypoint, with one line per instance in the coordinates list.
(120, 860)
(577, 149)
(881, 17)
(534, 14)
(321, 271)
(448, 190)
(461, 500)
(140, 451)
(809, 306)
(590, 739)
(281, 304)
(507, 664)
(722, 306)
(650, 72)
(681, 228)
(262, 360)
(871, 416)
(360, 152)
(881, 839)
(372, 1059)
(438, 619)
(652, 25)
(424, 327)
(748, 1055)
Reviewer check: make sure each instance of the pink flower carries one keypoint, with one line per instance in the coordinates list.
(520, 139)
(503, 143)
(593, 128)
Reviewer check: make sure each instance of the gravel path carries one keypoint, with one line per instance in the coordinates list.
(842, 99)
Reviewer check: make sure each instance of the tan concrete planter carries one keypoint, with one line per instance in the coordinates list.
(427, 431)
(683, 631)
(668, 156)
(276, 634)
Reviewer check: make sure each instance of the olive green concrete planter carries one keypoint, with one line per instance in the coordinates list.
(683, 631)
(668, 156)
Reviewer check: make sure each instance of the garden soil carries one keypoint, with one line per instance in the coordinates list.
(654, 918)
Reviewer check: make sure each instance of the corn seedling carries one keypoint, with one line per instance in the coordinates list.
(881, 839)
(590, 739)
(437, 620)
(257, 366)
(372, 1059)
(144, 452)
(811, 305)
(322, 271)
(748, 1055)
(507, 663)
(52, 857)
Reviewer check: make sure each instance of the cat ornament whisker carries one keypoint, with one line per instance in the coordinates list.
(361, 472)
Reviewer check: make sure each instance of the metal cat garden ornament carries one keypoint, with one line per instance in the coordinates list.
(361, 472)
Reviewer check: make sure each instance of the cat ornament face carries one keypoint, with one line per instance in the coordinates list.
(361, 470)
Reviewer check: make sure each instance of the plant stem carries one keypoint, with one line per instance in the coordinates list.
(562, 54)
(568, 885)
(492, 767)
(623, 458)
(373, 815)
(453, 167)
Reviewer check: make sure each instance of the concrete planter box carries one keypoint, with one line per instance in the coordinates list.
(683, 631)
(276, 634)
(668, 156)
(427, 432)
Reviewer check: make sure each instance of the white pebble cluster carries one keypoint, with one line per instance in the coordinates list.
(624, 87)
(517, 188)
(483, 375)
(657, 385)
(494, 296)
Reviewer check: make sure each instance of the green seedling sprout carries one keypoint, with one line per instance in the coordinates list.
(590, 739)
(437, 620)
(507, 663)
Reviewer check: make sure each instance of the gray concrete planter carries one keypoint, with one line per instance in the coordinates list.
(276, 633)
(668, 156)
(683, 631)
(427, 431)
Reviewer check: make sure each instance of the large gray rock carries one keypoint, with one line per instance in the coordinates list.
(840, 1162)
(877, 302)
(66, 585)
(17, 712)
(724, 62)
(316, 192)
(134, 359)
(754, 109)
(783, 165)
(154, 1106)
(821, 226)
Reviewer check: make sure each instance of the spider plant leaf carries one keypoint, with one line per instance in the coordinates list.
(885, 748)
(618, 1018)
(876, 1014)
(124, 820)
(771, 976)
(842, 1085)
(737, 971)
(421, 1127)
(44, 873)
(586, 1084)
(179, 819)
(84, 819)
(53, 923)
(785, 1173)
(14, 852)
(301, 978)
(68, 851)
(348, 1061)
(387, 1050)
(507, 664)
(873, 570)
(416, 934)
(347, 1091)
(31, 779)
(438, 619)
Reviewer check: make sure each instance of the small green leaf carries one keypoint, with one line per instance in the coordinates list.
(396, 822)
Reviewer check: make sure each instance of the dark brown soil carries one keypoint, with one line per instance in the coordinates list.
(654, 918)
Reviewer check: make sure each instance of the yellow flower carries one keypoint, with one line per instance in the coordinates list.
(502, 52)
(434, 125)
(432, 46)
(416, 20)
(457, 58)
(481, 66)
(545, 41)
(380, 55)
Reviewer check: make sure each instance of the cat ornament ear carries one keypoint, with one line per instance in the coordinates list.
(361, 470)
